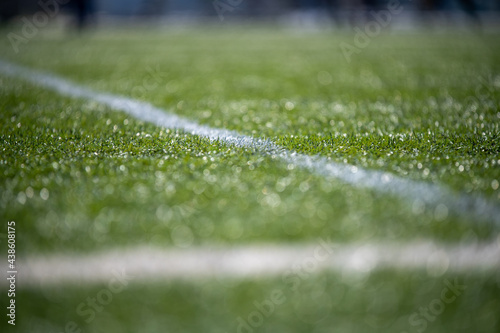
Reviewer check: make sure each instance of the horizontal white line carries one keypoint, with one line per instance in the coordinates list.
(473, 207)
(254, 261)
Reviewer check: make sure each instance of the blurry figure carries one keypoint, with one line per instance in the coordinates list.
(8, 10)
(468, 6)
(255, 8)
(368, 6)
(83, 11)
(359, 11)
(333, 9)
(153, 7)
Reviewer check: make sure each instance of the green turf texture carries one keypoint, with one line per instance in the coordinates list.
(78, 177)
(378, 302)
(443, 91)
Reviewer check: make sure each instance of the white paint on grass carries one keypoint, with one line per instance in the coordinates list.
(471, 207)
(255, 261)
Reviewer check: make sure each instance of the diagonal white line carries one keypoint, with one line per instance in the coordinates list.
(254, 261)
(473, 207)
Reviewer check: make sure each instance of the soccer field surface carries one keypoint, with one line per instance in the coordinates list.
(364, 191)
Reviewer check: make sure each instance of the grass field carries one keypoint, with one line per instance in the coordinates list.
(79, 177)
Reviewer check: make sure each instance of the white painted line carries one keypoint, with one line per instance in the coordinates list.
(472, 207)
(255, 261)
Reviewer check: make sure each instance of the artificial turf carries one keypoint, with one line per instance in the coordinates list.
(79, 177)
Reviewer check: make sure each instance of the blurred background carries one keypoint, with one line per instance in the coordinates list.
(304, 13)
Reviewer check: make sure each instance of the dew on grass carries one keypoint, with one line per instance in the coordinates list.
(308, 211)
(44, 194)
(109, 189)
(182, 236)
(272, 200)
(21, 198)
(98, 231)
(304, 186)
(441, 212)
(418, 207)
(29, 192)
(164, 214)
(386, 178)
(289, 106)
(325, 78)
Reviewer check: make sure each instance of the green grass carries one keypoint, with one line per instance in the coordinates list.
(79, 177)
(109, 181)
(380, 302)
(446, 88)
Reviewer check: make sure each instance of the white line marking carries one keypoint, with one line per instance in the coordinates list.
(254, 261)
(473, 207)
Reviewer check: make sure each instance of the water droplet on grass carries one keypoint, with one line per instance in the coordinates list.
(44, 194)
(182, 236)
(324, 78)
(441, 212)
(289, 106)
(418, 207)
(29, 192)
(21, 198)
